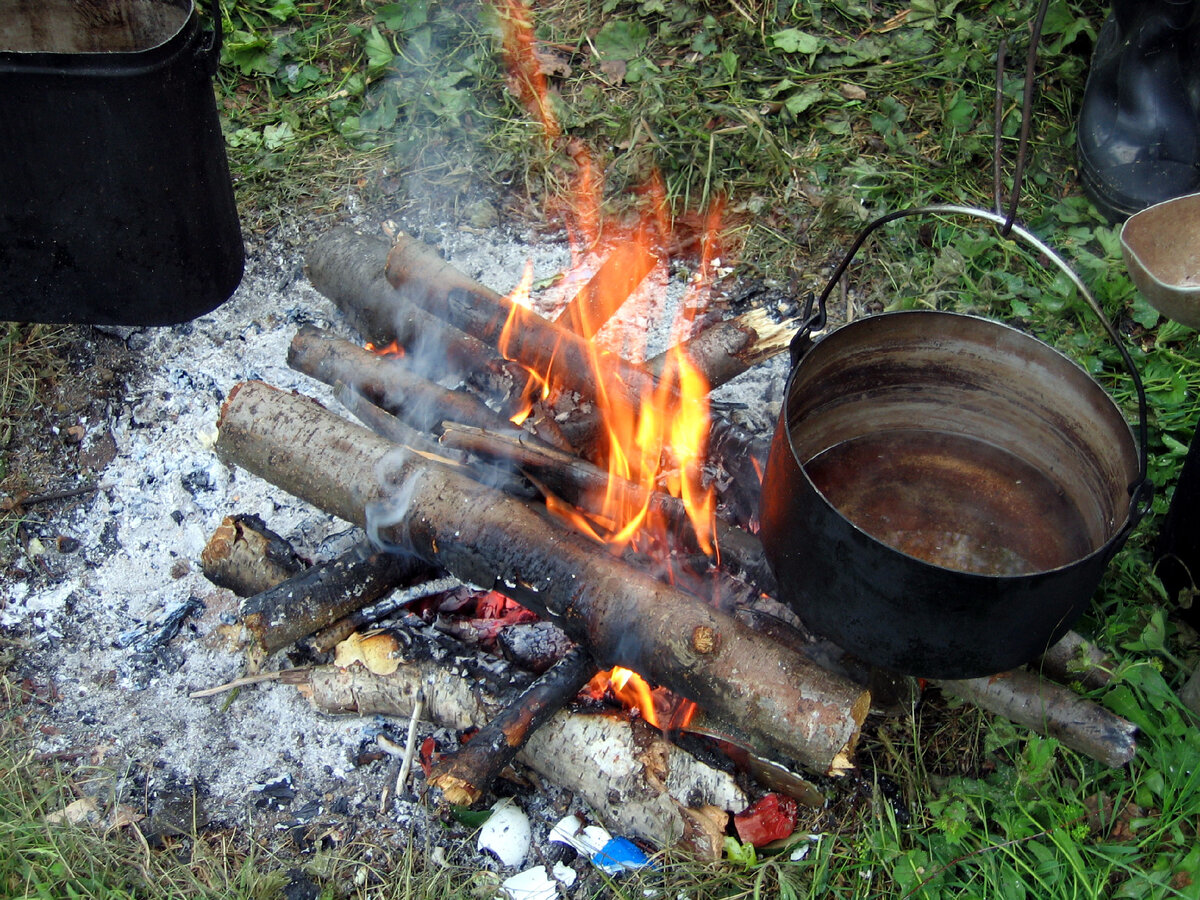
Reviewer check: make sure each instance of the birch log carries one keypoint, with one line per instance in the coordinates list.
(639, 784)
(622, 615)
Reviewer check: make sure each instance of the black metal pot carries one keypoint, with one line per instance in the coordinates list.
(117, 205)
(944, 492)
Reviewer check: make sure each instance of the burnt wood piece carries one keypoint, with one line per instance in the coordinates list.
(464, 775)
(534, 646)
(622, 615)
(572, 362)
(640, 785)
(319, 596)
(347, 266)
(725, 350)
(585, 485)
(247, 557)
(387, 382)
(330, 636)
(1052, 710)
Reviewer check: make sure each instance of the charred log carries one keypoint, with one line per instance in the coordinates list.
(621, 615)
(725, 350)
(319, 596)
(247, 557)
(464, 776)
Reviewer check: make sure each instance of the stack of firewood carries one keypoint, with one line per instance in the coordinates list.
(447, 485)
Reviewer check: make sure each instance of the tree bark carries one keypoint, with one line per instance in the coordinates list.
(725, 350)
(623, 616)
(247, 557)
(464, 776)
(640, 785)
(1053, 710)
(319, 596)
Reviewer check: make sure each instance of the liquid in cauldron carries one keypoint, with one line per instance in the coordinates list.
(952, 501)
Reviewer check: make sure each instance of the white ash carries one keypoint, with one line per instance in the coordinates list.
(122, 698)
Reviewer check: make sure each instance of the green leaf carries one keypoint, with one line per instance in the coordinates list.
(472, 818)
(737, 852)
(379, 52)
(792, 40)
(803, 99)
(403, 16)
(276, 136)
(622, 39)
(729, 62)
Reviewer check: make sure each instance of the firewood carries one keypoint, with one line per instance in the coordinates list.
(585, 485)
(332, 635)
(347, 266)
(725, 350)
(387, 382)
(1076, 660)
(570, 361)
(623, 616)
(316, 597)
(464, 776)
(1052, 710)
(247, 557)
(534, 646)
(640, 785)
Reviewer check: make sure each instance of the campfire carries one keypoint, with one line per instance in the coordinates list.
(563, 489)
(575, 498)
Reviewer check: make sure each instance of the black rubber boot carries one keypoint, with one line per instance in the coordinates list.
(1139, 123)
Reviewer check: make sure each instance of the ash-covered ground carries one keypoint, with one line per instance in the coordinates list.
(116, 624)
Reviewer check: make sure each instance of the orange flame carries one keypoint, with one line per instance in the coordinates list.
(392, 349)
(659, 440)
(627, 686)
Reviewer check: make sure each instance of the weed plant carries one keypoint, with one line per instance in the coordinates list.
(807, 118)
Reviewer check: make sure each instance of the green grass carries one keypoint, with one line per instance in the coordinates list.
(807, 118)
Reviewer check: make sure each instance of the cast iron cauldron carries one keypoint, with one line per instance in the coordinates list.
(944, 492)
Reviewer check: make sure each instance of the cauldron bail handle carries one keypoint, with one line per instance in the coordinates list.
(1141, 492)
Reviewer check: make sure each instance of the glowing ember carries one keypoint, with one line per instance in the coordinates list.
(392, 349)
(628, 687)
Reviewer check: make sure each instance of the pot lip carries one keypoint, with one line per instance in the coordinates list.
(1114, 542)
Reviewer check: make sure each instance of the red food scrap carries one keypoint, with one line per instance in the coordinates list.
(768, 819)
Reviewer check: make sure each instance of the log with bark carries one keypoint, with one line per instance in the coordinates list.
(247, 557)
(386, 382)
(1053, 710)
(623, 616)
(585, 485)
(624, 268)
(318, 596)
(464, 775)
(576, 364)
(347, 266)
(638, 783)
(725, 350)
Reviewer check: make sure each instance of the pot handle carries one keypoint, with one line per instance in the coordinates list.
(211, 53)
(1141, 491)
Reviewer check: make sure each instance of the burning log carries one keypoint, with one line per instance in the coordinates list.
(348, 268)
(464, 776)
(386, 382)
(636, 781)
(247, 557)
(585, 485)
(316, 597)
(725, 350)
(1053, 710)
(621, 615)
(574, 363)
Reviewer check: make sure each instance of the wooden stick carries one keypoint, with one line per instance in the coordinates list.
(585, 485)
(347, 266)
(640, 785)
(464, 776)
(622, 615)
(569, 360)
(1076, 660)
(319, 596)
(247, 557)
(725, 350)
(387, 382)
(328, 638)
(1053, 710)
